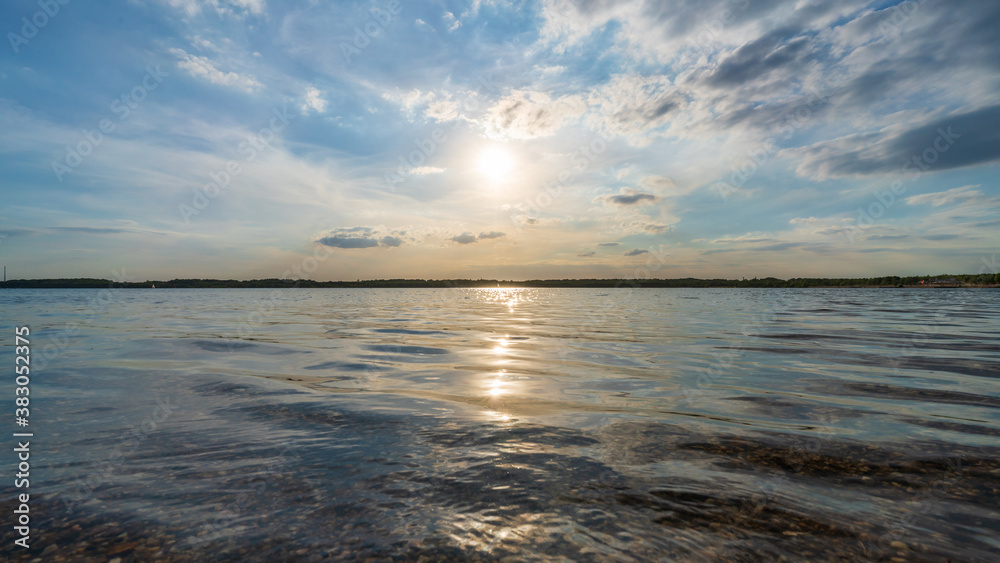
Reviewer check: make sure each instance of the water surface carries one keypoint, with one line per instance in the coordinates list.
(538, 424)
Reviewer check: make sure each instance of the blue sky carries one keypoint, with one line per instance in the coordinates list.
(491, 138)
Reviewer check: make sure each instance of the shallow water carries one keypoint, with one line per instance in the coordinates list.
(538, 424)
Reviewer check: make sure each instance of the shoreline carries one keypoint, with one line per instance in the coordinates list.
(685, 283)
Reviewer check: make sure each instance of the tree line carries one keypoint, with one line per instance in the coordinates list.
(960, 280)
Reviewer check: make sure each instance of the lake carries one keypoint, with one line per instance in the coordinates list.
(526, 424)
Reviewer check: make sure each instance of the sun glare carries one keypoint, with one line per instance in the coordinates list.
(495, 164)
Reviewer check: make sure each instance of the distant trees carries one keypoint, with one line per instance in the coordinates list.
(769, 282)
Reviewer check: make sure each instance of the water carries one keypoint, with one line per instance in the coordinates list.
(532, 424)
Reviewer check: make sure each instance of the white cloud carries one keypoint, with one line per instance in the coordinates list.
(525, 114)
(442, 110)
(937, 199)
(411, 100)
(424, 170)
(203, 44)
(203, 68)
(238, 9)
(452, 22)
(314, 101)
(665, 187)
(746, 238)
(633, 106)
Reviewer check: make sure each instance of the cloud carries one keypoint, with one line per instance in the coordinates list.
(944, 143)
(363, 237)
(535, 221)
(587, 254)
(98, 230)
(610, 244)
(424, 170)
(348, 242)
(439, 107)
(636, 252)
(641, 226)
(451, 21)
(238, 9)
(469, 238)
(752, 237)
(628, 197)
(524, 114)
(442, 110)
(409, 101)
(4, 233)
(749, 67)
(201, 67)
(464, 238)
(663, 186)
(777, 247)
(754, 60)
(634, 106)
(313, 101)
(937, 199)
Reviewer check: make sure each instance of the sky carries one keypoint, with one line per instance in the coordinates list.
(242, 139)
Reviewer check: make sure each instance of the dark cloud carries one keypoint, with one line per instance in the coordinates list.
(364, 237)
(858, 55)
(587, 254)
(491, 234)
(955, 141)
(91, 230)
(636, 252)
(648, 113)
(465, 238)
(661, 108)
(908, 52)
(680, 18)
(348, 242)
(867, 88)
(628, 197)
(631, 199)
(15, 232)
(610, 244)
(871, 60)
(756, 59)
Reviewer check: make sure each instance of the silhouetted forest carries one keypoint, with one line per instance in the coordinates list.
(960, 280)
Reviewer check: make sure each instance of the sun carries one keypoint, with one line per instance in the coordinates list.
(495, 164)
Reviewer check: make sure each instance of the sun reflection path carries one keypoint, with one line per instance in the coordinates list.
(499, 386)
(509, 296)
